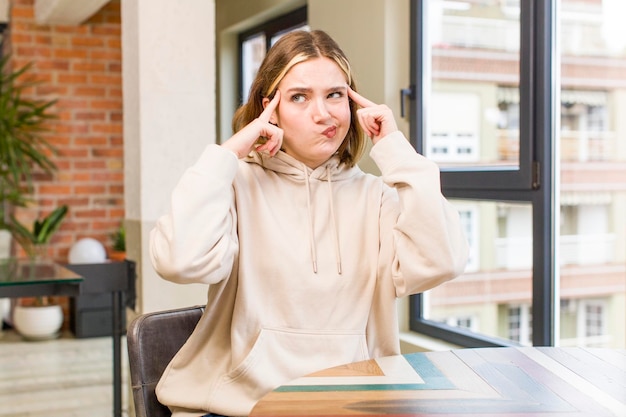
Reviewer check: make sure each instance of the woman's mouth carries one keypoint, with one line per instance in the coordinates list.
(330, 132)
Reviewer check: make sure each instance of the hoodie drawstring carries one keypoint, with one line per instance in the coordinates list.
(332, 217)
(311, 229)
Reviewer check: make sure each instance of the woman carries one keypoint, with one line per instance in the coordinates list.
(305, 254)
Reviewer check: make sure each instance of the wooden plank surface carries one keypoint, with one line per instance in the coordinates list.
(573, 382)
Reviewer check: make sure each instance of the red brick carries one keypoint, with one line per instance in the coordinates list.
(90, 164)
(46, 89)
(55, 189)
(90, 213)
(88, 67)
(107, 55)
(90, 42)
(73, 78)
(90, 141)
(81, 66)
(65, 53)
(43, 39)
(89, 189)
(89, 115)
(21, 38)
(89, 91)
(19, 11)
(106, 79)
(108, 128)
(107, 152)
(106, 104)
(33, 51)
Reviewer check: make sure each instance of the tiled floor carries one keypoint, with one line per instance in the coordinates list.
(65, 377)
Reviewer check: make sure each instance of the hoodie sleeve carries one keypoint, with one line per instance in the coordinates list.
(196, 242)
(422, 241)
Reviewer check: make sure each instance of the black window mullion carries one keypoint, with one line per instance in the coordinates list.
(545, 264)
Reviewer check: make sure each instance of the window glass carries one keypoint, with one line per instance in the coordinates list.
(592, 173)
(253, 50)
(255, 42)
(277, 36)
(473, 110)
(493, 296)
(252, 54)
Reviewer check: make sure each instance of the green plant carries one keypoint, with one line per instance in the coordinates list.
(41, 231)
(119, 239)
(23, 150)
(37, 237)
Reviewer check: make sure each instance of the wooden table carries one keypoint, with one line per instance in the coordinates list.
(29, 278)
(526, 381)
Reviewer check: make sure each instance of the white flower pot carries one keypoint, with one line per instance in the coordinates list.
(38, 323)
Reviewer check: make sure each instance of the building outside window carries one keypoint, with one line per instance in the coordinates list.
(520, 324)
(480, 118)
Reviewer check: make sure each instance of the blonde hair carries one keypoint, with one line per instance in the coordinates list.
(290, 50)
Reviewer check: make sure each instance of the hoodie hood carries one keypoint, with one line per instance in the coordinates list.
(330, 171)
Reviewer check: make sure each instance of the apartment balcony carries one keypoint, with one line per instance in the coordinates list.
(576, 146)
(513, 253)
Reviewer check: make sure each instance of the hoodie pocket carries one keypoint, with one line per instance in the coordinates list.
(280, 355)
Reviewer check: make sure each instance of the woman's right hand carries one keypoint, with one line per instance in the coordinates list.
(246, 140)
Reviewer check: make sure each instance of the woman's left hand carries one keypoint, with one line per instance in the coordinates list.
(376, 119)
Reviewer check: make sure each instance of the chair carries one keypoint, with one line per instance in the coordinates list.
(153, 339)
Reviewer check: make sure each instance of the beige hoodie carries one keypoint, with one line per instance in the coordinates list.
(304, 266)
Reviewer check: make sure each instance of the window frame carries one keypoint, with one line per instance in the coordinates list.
(270, 29)
(533, 182)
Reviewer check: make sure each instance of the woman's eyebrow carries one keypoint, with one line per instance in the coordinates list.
(309, 89)
(299, 90)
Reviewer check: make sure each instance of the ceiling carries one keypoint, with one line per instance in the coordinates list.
(61, 12)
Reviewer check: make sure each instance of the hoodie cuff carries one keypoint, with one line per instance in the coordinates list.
(392, 150)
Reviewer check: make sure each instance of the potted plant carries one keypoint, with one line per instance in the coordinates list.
(118, 247)
(42, 319)
(35, 240)
(23, 150)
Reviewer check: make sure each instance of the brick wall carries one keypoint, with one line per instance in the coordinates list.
(80, 66)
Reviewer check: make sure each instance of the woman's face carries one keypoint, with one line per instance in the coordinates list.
(314, 111)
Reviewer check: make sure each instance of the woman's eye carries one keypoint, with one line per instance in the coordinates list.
(336, 94)
(298, 98)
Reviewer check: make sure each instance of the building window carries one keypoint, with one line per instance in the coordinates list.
(520, 324)
(470, 221)
(585, 322)
(458, 141)
(594, 319)
(464, 322)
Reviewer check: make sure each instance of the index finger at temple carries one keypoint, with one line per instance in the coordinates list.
(271, 106)
(359, 99)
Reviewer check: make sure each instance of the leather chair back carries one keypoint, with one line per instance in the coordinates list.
(153, 339)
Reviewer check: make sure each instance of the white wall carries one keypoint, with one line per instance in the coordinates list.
(4, 11)
(169, 118)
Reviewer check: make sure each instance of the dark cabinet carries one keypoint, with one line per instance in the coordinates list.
(91, 312)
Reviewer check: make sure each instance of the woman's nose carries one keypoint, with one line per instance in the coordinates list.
(320, 111)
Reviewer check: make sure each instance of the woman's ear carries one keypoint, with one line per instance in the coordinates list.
(273, 119)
